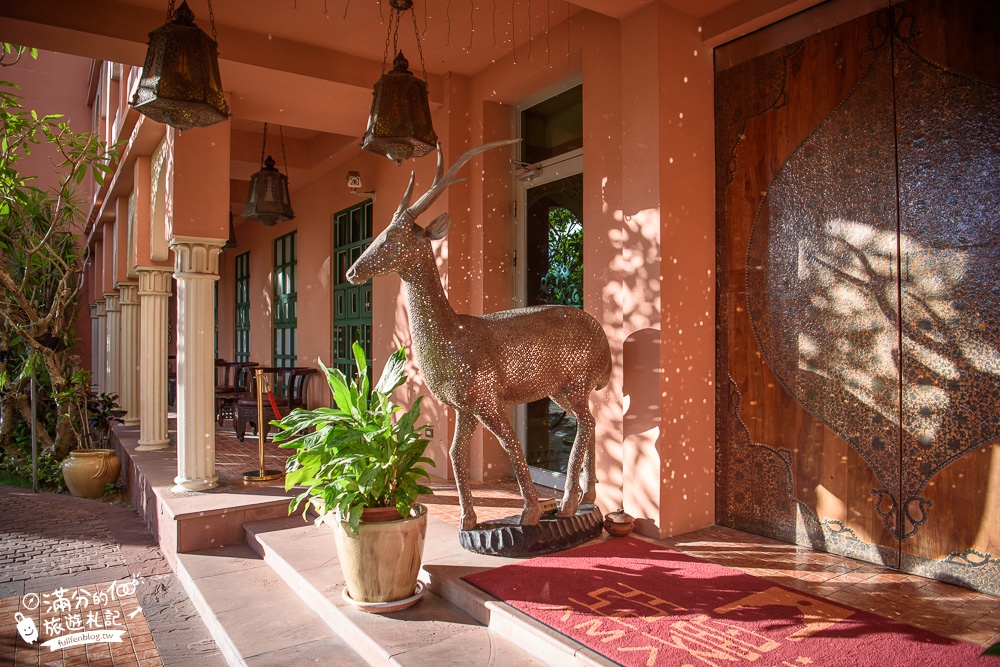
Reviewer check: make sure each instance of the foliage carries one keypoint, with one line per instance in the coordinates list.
(10, 54)
(103, 413)
(992, 650)
(563, 283)
(17, 471)
(41, 271)
(354, 455)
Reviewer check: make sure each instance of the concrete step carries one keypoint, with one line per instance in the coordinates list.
(455, 623)
(257, 620)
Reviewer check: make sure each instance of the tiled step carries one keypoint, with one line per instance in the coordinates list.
(255, 619)
(455, 623)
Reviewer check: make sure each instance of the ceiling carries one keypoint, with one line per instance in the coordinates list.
(309, 64)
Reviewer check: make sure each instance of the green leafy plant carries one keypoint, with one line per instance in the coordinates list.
(19, 471)
(41, 270)
(563, 282)
(103, 412)
(356, 454)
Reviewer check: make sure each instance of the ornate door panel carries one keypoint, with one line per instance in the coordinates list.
(833, 258)
(947, 80)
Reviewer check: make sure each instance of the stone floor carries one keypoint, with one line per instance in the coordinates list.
(73, 565)
(61, 547)
(932, 605)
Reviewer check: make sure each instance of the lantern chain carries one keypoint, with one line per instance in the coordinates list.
(211, 20)
(388, 35)
(420, 50)
(284, 158)
(170, 11)
(263, 148)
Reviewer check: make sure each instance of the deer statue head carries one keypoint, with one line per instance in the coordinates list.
(399, 244)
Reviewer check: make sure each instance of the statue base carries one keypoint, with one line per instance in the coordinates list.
(507, 537)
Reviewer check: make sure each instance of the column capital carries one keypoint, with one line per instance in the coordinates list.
(129, 293)
(196, 257)
(93, 311)
(155, 280)
(111, 304)
(99, 305)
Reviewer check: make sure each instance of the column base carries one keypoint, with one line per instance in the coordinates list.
(153, 445)
(183, 485)
(130, 421)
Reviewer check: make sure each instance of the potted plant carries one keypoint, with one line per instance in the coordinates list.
(360, 466)
(92, 466)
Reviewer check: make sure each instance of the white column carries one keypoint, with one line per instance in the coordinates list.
(95, 343)
(154, 296)
(100, 366)
(113, 335)
(129, 348)
(196, 268)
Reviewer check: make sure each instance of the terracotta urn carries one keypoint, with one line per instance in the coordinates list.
(87, 472)
(619, 523)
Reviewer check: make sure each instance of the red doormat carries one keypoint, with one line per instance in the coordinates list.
(640, 604)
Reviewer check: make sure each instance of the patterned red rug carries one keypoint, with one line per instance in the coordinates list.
(640, 604)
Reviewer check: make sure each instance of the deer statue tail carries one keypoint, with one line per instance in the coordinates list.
(442, 181)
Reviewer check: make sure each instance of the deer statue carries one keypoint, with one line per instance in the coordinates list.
(480, 365)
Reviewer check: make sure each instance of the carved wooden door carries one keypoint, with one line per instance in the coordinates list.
(859, 346)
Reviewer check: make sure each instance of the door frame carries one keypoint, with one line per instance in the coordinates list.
(525, 178)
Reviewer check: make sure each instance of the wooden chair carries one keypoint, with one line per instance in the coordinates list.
(234, 380)
(289, 386)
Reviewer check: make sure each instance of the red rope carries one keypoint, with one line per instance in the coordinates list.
(274, 406)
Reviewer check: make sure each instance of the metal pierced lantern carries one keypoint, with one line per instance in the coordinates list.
(268, 201)
(180, 83)
(399, 125)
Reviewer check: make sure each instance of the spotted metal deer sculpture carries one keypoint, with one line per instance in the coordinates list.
(480, 365)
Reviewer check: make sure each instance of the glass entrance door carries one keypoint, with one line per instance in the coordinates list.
(551, 273)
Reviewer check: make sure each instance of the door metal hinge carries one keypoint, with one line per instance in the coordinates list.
(514, 261)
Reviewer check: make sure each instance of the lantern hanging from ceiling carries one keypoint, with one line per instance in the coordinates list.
(399, 125)
(268, 201)
(180, 83)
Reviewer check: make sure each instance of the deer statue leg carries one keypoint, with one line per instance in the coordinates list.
(496, 421)
(577, 403)
(465, 427)
(589, 480)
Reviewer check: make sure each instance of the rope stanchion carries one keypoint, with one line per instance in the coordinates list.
(261, 475)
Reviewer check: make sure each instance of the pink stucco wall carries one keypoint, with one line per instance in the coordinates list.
(649, 246)
(649, 249)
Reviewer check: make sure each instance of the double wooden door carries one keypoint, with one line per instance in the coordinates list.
(858, 184)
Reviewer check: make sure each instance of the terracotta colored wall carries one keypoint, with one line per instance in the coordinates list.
(314, 205)
(687, 232)
(200, 194)
(649, 249)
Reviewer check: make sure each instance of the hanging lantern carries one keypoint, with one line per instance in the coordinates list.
(268, 201)
(399, 125)
(180, 83)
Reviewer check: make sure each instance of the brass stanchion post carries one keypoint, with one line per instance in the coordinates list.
(261, 475)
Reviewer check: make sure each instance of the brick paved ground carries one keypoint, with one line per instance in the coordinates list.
(56, 546)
